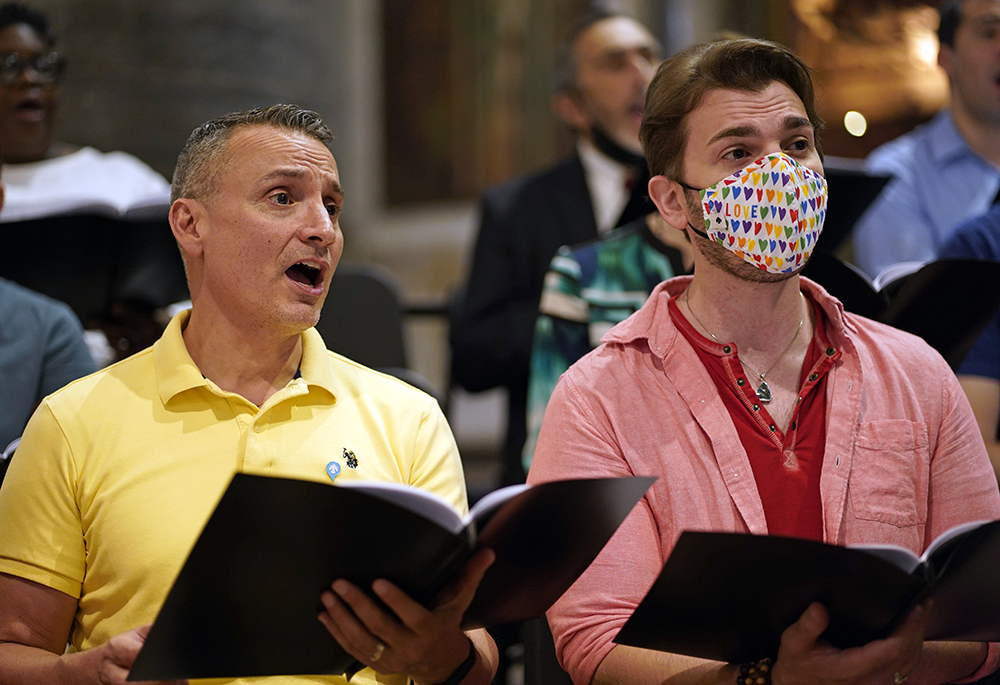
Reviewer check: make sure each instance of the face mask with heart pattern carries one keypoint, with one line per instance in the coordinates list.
(769, 213)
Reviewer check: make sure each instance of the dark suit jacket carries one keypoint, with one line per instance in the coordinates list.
(523, 223)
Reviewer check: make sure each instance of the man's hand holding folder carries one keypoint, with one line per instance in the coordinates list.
(399, 636)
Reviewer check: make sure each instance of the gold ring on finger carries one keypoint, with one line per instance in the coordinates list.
(380, 648)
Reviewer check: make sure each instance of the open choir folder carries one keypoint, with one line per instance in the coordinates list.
(729, 596)
(245, 602)
(947, 302)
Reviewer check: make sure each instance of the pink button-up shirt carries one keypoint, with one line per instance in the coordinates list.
(903, 462)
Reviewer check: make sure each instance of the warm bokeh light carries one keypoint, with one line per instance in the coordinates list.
(879, 58)
(855, 123)
(925, 48)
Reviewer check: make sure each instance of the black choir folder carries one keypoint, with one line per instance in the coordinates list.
(729, 596)
(245, 602)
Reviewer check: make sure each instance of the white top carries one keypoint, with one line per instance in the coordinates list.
(606, 180)
(85, 181)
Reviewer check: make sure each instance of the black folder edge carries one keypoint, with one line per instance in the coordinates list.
(686, 612)
(851, 192)
(727, 626)
(947, 302)
(146, 668)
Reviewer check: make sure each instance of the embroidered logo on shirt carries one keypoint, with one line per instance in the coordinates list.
(333, 470)
(352, 461)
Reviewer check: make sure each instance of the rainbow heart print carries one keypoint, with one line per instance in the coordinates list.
(769, 213)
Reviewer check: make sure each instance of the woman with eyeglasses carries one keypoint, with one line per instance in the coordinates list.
(45, 177)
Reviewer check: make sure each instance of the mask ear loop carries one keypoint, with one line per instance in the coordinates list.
(697, 190)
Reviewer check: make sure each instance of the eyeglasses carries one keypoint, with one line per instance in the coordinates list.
(48, 68)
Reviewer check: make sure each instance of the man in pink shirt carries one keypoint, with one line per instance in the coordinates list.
(758, 402)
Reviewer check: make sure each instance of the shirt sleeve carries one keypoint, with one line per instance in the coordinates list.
(970, 241)
(983, 358)
(575, 443)
(561, 338)
(895, 227)
(436, 465)
(41, 533)
(66, 355)
(963, 486)
(977, 239)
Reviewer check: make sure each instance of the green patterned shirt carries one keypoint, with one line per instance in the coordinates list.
(588, 289)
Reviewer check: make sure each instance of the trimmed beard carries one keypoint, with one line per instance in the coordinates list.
(721, 258)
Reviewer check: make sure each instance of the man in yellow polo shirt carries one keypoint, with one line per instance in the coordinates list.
(118, 472)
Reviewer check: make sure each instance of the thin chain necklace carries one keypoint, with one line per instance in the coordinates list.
(763, 390)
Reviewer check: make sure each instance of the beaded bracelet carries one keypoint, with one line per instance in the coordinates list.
(758, 673)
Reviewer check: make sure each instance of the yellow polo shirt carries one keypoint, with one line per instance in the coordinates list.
(118, 472)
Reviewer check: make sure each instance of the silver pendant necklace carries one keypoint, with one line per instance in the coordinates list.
(763, 390)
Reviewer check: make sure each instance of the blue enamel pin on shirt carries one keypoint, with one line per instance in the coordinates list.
(333, 470)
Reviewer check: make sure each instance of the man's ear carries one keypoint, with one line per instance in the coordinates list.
(668, 196)
(188, 222)
(569, 108)
(944, 59)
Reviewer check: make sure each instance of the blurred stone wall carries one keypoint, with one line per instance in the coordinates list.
(142, 74)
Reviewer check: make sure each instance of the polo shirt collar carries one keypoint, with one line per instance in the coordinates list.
(315, 365)
(176, 372)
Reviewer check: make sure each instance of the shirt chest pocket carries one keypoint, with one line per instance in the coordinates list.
(889, 473)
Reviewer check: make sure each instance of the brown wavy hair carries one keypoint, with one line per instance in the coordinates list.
(681, 82)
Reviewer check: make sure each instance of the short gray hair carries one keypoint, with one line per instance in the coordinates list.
(197, 168)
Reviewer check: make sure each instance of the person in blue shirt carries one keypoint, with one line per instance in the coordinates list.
(949, 169)
(41, 349)
(979, 372)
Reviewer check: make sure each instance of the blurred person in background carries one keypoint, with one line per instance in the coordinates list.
(44, 176)
(588, 289)
(979, 372)
(41, 350)
(604, 69)
(947, 170)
